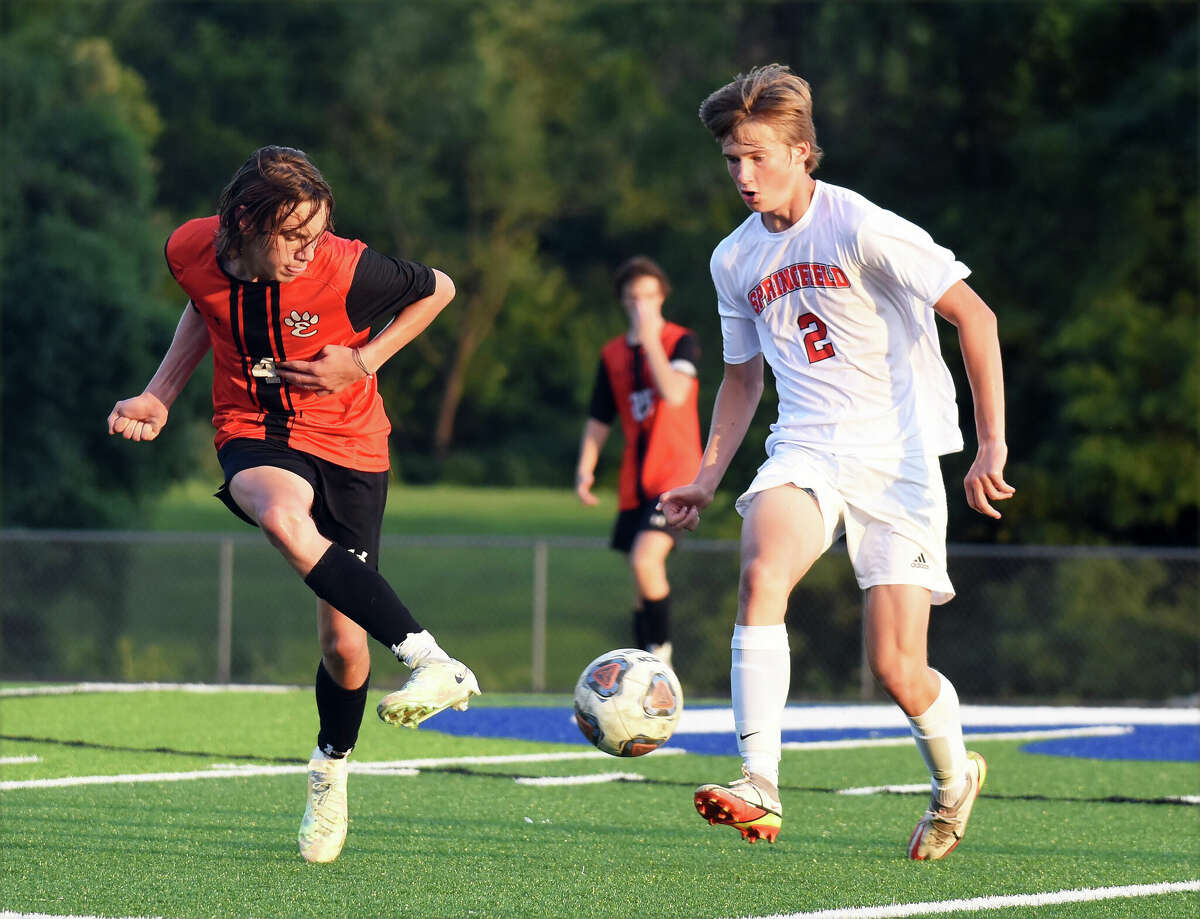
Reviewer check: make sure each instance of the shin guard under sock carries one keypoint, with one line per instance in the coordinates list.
(362, 594)
(340, 712)
(657, 615)
(938, 733)
(759, 678)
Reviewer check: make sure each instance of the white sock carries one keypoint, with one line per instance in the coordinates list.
(938, 732)
(419, 647)
(759, 680)
(319, 755)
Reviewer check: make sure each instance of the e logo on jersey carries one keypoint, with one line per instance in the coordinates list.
(793, 277)
(302, 324)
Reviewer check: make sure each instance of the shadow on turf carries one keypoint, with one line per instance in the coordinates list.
(1109, 799)
(458, 770)
(170, 751)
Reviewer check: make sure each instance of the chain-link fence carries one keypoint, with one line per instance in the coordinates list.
(1036, 622)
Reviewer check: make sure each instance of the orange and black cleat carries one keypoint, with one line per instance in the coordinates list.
(750, 805)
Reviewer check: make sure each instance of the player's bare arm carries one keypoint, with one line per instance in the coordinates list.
(595, 434)
(737, 399)
(673, 386)
(980, 344)
(143, 416)
(335, 367)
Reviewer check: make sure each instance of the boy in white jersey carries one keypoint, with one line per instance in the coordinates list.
(839, 296)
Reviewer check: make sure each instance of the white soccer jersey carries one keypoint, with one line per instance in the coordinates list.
(840, 305)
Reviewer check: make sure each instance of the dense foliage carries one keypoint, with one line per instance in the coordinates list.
(528, 147)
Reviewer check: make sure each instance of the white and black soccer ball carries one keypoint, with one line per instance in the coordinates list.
(628, 702)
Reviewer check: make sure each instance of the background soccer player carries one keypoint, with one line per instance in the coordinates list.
(647, 377)
(287, 309)
(840, 297)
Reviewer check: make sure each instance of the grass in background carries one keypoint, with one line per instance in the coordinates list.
(467, 840)
(423, 510)
(443, 510)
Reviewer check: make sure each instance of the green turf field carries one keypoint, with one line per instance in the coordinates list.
(460, 838)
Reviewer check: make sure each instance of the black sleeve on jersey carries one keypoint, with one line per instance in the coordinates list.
(604, 404)
(687, 349)
(383, 286)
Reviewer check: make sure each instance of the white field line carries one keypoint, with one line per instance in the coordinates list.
(384, 767)
(14, 760)
(203, 688)
(833, 717)
(5, 914)
(921, 789)
(943, 907)
(720, 720)
(1102, 731)
(596, 779)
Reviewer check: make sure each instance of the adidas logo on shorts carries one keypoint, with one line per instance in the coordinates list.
(919, 561)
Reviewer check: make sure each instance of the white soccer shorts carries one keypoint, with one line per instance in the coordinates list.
(892, 511)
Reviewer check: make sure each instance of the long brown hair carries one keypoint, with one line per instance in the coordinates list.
(264, 192)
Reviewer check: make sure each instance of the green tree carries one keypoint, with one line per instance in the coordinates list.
(81, 323)
(528, 147)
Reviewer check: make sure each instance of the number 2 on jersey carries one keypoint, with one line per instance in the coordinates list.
(816, 341)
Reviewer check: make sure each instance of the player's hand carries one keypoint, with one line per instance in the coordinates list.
(984, 481)
(648, 321)
(682, 506)
(333, 368)
(139, 418)
(583, 488)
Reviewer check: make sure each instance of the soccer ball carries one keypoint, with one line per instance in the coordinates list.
(628, 702)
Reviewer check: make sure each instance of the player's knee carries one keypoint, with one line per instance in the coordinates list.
(646, 567)
(897, 676)
(284, 526)
(762, 581)
(343, 652)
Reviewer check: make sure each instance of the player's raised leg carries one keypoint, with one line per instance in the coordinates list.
(280, 502)
(783, 534)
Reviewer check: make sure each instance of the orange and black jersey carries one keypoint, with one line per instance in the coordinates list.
(346, 287)
(662, 441)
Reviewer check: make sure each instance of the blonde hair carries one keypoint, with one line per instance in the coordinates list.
(770, 94)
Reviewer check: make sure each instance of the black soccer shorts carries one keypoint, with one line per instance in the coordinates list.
(347, 503)
(629, 523)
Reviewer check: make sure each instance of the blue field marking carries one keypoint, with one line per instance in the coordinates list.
(1179, 743)
(554, 724)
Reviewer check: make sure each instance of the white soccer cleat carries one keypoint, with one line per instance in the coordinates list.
(750, 805)
(433, 686)
(323, 829)
(942, 827)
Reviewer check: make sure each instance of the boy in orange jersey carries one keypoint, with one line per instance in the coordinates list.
(647, 377)
(286, 308)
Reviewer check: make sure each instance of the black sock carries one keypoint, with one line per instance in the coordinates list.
(353, 588)
(658, 620)
(340, 712)
(640, 632)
